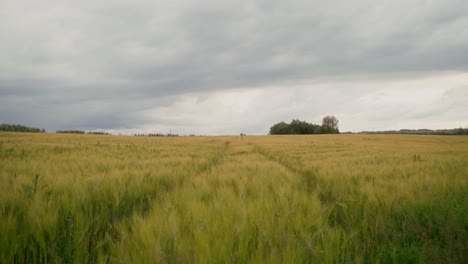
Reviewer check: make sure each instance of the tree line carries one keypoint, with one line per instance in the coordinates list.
(82, 132)
(443, 132)
(156, 135)
(20, 128)
(70, 132)
(329, 126)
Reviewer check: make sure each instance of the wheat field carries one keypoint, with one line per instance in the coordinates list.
(255, 199)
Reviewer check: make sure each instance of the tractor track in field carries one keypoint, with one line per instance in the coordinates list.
(219, 158)
(275, 159)
(308, 177)
(226, 153)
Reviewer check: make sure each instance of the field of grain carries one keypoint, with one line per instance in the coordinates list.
(267, 199)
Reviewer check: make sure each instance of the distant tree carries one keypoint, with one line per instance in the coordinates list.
(297, 127)
(70, 131)
(280, 128)
(302, 127)
(330, 125)
(20, 128)
(318, 129)
(98, 133)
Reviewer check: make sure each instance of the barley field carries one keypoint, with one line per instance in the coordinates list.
(256, 199)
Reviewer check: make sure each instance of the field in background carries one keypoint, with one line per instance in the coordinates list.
(293, 199)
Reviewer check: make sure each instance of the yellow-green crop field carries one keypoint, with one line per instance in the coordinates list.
(256, 199)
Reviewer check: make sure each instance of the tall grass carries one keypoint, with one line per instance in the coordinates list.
(305, 199)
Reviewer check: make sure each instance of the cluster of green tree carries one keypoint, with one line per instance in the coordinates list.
(329, 126)
(82, 132)
(156, 135)
(20, 128)
(98, 133)
(70, 131)
(454, 131)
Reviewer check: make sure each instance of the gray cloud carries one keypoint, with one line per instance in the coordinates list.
(88, 64)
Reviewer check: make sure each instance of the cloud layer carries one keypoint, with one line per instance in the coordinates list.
(227, 66)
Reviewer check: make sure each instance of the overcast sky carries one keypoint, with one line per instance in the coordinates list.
(226, 67)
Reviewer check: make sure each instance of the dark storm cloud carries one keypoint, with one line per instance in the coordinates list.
(91, 63)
